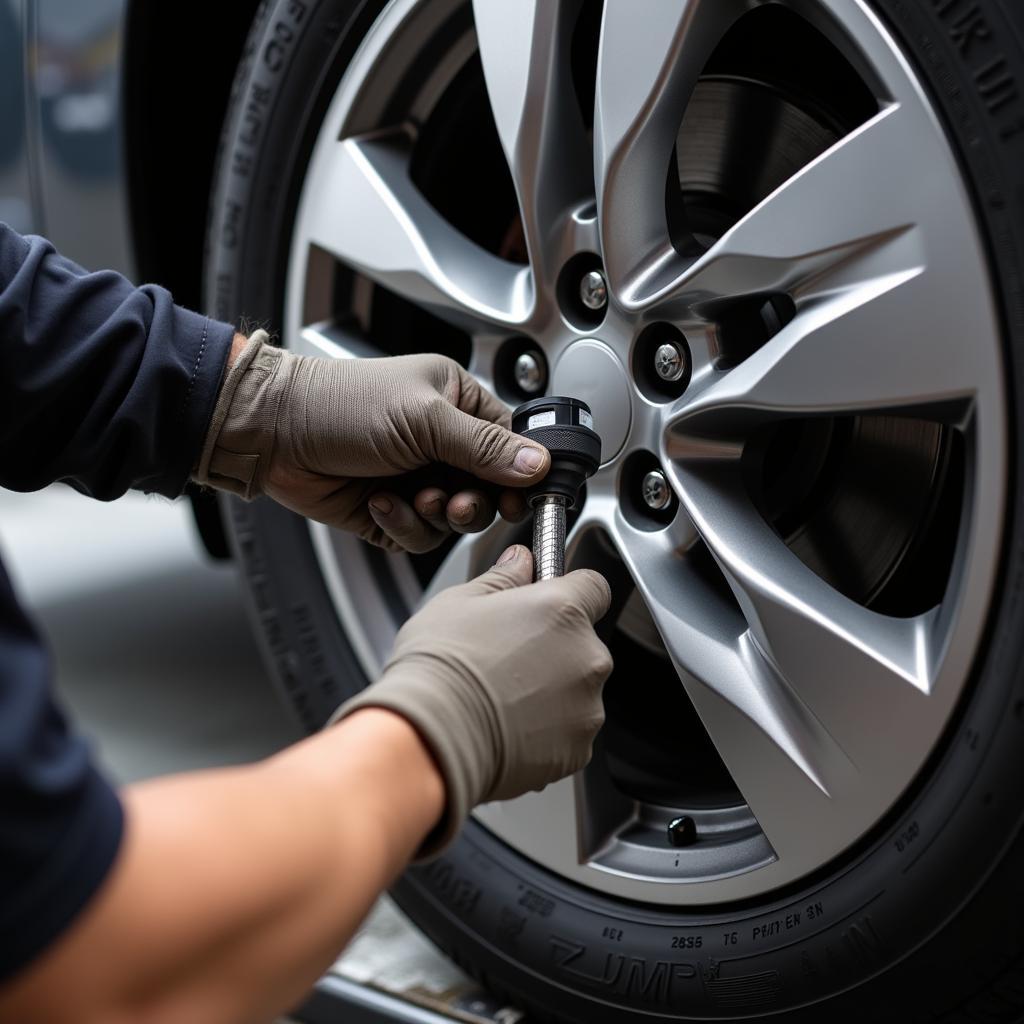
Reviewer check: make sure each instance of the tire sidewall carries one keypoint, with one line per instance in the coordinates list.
(904, 908)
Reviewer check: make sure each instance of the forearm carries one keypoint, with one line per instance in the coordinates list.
(237, 888)
(103, 384)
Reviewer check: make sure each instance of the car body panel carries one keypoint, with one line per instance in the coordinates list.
(62, 159)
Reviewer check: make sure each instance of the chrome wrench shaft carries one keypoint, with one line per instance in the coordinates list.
(549, 537)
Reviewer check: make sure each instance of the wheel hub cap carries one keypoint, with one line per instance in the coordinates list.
(591, 371)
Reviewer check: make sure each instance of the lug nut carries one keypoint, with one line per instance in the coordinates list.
(529, 373)
(594, 290)
(656, 491)
(682, 832)
(670, 362)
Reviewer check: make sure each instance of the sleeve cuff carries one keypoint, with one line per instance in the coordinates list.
(208, 343)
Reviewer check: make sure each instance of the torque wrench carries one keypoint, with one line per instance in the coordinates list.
(565, 427)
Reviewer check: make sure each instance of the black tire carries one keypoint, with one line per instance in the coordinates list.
(924, 921)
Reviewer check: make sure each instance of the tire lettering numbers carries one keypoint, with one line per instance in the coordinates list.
(687, 941)
(537, 904)
(511, 925)
(863, 943)
(997, 88)
(615, 934)
(658, 982)
(458, 894)
(318, 664)
(967, 28)
(231, 217)
(778, 925)
(277, 47)
(730, 938)
(907, 836)
(859, 946)
(283, 35)
(252, 123)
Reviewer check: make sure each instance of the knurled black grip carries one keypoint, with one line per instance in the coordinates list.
(563, 426)
(569, 441)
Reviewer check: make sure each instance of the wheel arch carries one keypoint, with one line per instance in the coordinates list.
(180, 60)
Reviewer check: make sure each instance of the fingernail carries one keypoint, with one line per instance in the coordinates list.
(465, 514)
(528, 460)
(381, 506)
(508, 555)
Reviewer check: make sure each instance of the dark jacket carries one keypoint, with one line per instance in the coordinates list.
(107, 387)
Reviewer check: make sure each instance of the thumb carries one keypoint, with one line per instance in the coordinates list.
(513, 569)
(587, 589)
(488, 450)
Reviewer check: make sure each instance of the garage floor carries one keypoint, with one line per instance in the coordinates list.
(156, 661)
(153, 652)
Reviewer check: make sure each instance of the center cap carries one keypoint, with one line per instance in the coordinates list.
(590, 370)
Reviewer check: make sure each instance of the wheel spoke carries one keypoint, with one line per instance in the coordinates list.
(855, 351)
(332, 341)
(650, 60)
(547, 823)
(525, 52)
(701, 631)
(822, 642)
(841, 220)
(796, 779)
(810, 700)
(374, 219)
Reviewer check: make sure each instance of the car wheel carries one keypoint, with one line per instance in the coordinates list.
(777, 247)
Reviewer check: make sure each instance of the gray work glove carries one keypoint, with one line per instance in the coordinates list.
(502, 678)
(327, 438)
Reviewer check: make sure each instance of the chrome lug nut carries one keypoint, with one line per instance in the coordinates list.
(656, 491)
(670, 362)
(594, 290)
(529, 373)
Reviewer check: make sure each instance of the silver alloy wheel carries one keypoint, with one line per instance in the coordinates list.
(823, 709)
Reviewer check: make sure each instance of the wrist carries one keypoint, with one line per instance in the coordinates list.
(391, 752)
(396, 749)
(454, 724)
(241, 435)
(239, 343)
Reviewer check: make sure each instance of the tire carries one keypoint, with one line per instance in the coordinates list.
(921, 921)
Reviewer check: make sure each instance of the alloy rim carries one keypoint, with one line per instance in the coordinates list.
(839, 327)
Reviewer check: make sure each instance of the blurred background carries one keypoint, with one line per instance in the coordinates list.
(153, 652)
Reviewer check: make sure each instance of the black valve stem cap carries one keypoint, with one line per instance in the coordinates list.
(565, 427)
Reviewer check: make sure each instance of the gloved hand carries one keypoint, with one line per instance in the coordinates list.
(324, 437)
(502, 678)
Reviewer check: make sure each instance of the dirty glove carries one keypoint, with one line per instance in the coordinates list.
(502, 678)
(335, 440)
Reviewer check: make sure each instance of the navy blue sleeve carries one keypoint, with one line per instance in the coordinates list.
(60, 822)
(103, 385)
